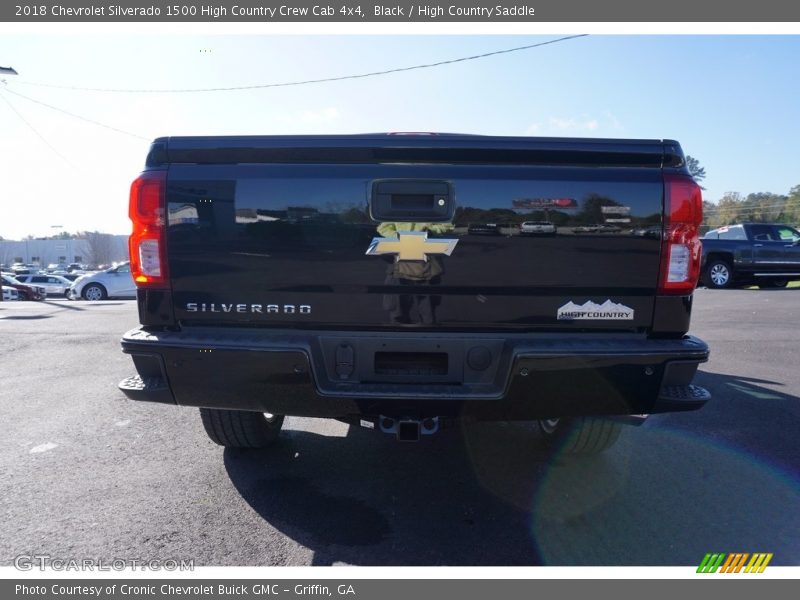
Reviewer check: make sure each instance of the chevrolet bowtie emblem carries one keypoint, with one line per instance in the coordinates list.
(411, 245)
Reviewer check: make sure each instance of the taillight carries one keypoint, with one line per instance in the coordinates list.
(147, 243)
(680, 248)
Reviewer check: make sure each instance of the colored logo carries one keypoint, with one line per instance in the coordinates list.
(735, 562)
(411, 245)
(544, 203)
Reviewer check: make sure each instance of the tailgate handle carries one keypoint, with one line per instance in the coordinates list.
(412, 200)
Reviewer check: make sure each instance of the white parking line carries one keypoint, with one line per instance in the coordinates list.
(43, 447)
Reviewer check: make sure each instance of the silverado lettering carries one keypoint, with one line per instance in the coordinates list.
(290, 309)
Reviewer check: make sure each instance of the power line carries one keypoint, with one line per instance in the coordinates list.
(747, 212)
(307, 81)
(71, 114)
(35, 131)
(748, 208)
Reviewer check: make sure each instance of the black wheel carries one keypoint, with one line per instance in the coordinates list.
(94, 291)
(718, 274)
(241, 429)
(583, 435)
(774, 283)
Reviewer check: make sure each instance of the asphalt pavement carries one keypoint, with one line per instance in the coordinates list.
(86, 473)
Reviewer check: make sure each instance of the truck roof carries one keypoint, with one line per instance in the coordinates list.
(403, 138)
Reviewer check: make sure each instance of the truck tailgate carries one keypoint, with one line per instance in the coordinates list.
(282, 238)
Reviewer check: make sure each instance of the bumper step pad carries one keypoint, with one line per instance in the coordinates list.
(151, 389)
(682, 397)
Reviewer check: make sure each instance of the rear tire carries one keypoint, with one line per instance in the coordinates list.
(241, 429)
(775, 283)
(580, 436)
(718, 274)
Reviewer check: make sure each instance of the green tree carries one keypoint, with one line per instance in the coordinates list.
(763, 207)
(725, 212)
(791, 210)
(695, 170)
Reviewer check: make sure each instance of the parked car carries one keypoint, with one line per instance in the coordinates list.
(10, 293)
(116, 282)
(56, 285)
(654, 231)
(22, 269)
(26, 292)
(484, 229)
(56, 268)
(537, 228)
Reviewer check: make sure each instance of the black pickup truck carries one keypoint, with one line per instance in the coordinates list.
(336, 277)
(763, 254)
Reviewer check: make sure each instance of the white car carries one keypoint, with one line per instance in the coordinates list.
(9, 293)
(541, 227)
(116, 282)
(54, 284)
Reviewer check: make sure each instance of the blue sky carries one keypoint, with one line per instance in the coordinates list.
(732, 102)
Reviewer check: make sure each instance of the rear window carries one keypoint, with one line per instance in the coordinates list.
(734, 232)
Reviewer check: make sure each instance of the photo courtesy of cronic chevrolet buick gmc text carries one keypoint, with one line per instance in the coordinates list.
(340, 277)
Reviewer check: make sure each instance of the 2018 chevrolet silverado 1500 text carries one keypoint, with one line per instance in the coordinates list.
(336, 277)
(764, 254)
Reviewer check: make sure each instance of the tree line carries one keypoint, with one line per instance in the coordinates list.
(759, 207)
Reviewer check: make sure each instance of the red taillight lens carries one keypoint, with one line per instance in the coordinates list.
(680, 249)
(147, 243)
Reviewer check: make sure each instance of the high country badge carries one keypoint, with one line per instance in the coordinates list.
(591, 311)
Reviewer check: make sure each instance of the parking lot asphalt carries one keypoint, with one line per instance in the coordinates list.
(86, 473)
